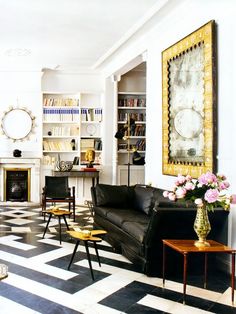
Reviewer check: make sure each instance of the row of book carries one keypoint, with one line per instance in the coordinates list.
(61, 102)
(132, 102)
(140, 145)
(63, 131)
(61, 114)
(123, 116)
(49, 160)
(88, 143)
(57, 146)
(91, 114)
(136, 130)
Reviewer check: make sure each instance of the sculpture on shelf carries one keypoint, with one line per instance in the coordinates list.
(64, 165)
(90, 157)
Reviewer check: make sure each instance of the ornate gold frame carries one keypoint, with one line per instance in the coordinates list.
(206, 37)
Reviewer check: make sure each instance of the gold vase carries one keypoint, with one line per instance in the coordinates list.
(202, 226)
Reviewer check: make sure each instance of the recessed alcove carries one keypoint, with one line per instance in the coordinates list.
(17, 185)
(25, 174)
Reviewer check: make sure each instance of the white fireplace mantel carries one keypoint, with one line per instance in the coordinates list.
(23, 163)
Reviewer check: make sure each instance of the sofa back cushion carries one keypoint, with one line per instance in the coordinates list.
(117, 196)
(143, 199)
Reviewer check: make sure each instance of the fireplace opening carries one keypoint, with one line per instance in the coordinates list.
(17, 185)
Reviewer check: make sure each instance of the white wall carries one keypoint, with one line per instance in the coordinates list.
(22, 89)
(65, 82)
(182, 19)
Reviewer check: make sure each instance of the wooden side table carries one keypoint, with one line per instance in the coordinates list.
(79, 236)
(187, 246)
(57, 213)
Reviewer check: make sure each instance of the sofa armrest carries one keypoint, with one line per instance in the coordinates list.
(177, 223)
(93, 195)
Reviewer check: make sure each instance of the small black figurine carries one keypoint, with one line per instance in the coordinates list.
(17, 153)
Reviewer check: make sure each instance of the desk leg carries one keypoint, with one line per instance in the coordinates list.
(205, 270)
(163, 264)
(93, 182)
(233, 275)
(185, 275)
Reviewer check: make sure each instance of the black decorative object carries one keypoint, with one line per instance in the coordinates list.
(17, 153)
(49, 133)
(138, 159)
(73, 144)
(124, 133)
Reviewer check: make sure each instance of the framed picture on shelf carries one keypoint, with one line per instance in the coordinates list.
(188, 104)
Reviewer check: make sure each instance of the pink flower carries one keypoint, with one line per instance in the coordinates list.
(211, 195)
(180, 192)
(207, 178)
(189, 186)
(172, 196)
(166, 193)
(233, 199)
(221, 176)
(224, 185)
(188, 177)
(198, 201)
(180, 180)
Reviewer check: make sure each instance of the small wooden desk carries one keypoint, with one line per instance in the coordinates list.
(80, 174)
(187, 246)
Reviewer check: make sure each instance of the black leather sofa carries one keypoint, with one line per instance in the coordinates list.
(137, 218)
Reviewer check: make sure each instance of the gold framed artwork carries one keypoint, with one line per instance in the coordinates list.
(188, 104)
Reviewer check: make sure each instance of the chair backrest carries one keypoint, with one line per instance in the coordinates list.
(56, 187)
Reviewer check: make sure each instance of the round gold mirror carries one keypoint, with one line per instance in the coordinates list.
(17, 123)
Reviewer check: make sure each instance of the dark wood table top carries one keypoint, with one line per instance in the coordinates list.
(187, 246)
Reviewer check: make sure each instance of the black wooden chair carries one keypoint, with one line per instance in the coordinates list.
(57, 190)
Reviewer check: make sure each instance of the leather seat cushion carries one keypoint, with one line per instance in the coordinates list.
(118, 216)
(136, 229)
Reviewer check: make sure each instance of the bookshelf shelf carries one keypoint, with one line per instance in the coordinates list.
(53, 136)
(60, 151)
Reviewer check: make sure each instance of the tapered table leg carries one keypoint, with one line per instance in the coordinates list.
(45, 230)
(73, 254)
(89, 259)
(185, 276)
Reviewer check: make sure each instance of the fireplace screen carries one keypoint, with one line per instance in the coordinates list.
(17, 185)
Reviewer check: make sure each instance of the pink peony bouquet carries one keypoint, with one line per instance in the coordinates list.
(209, 190)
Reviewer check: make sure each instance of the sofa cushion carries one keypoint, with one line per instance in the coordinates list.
(117, 196)
(136, 229)
(118, 217)
(143, 199)
(101, 211)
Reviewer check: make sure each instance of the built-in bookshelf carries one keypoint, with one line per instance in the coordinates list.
(131, 111)
(71, 125)
(131, 107)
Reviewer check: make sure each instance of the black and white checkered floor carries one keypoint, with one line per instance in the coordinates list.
(39, 281)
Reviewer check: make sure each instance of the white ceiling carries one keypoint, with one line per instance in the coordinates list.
(68, 34)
